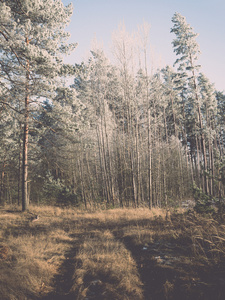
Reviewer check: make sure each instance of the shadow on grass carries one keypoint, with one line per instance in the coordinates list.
(63, 280)
(166, 265)
(168, 269)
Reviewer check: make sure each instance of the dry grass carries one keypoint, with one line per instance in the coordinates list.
(105, 270)
(110, 254)
(183, 256)
(35, 250)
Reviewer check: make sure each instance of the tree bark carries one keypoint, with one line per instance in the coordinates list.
(2, 196)
(25, 199)
(149, 161)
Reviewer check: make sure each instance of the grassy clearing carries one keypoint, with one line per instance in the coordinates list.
(31, 252)
(111, 254)
(181, 257)
(105, 269)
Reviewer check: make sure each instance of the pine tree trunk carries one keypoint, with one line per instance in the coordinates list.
(203, 143)
(110, 174)
(164, 179)
(138, 164)
(2, 197)
(25, 199)
(103, 163)
(120, 177)
(19, 176)
(204, 152)
(82, 183)
(149, 161)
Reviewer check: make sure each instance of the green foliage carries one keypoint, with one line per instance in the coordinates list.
(203, 202)
(222, 172)
(65, 197)
(59, 194)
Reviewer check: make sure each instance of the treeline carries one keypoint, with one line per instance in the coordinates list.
(122, 134)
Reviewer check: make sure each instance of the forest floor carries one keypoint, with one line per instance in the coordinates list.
(132, 254)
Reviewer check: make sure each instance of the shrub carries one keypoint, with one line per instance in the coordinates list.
(58, 193)
(203, 202)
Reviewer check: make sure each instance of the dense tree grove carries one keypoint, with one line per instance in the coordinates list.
(121, 134)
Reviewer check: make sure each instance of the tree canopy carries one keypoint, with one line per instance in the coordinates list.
(122, 134)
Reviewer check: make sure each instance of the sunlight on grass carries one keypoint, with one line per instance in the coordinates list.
(109, 251)
(107, 263)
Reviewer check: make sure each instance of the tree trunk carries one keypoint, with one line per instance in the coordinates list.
(149, 161)
(203, 143)
(2, 196)
(19, 177)
(110, 173)
(82, 183)
(25, 199)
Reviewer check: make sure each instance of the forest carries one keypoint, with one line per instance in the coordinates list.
(112, 170)
(122, 133)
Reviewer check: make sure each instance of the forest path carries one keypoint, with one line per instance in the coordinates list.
(98, 283)
(63, 280)
(111, 254)
(161, 260)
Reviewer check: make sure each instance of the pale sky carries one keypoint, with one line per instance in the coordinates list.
(99, 18)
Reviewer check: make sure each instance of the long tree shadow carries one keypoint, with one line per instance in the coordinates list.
(167, 271)
(165, 265)
(63, 280)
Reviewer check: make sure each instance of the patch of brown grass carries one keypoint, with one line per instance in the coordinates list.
(183, 254)
(105, 270)
(112, 254)
(30, 252)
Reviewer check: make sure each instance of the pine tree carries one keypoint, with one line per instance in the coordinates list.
(186, 47)
(32, 40)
